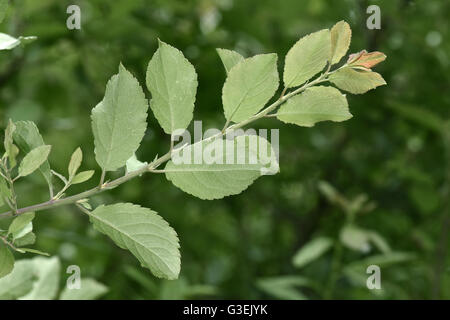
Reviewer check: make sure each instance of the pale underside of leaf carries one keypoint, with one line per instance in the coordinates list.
(27, 137)
(341, 35)
(229, 58)
(119, 121)
(143, 232)
(89, 290)
(47, 284)
(19, 282)
(307, 58)
(314, 105)
(249, 86)
(215, 180)
(172, 81)
(356, 82)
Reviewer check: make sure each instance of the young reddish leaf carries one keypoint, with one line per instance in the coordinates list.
(366, 59)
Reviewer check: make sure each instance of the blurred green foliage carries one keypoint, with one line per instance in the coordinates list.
(395, 150)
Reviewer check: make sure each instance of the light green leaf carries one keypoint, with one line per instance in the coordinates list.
(33, 160)
(356, 81)
(249, 86)
(6, 261)
(355, 238)
(4, 189)
(24, 231)
(19, 282)
(119, 121)
(83, 176)
(134, 164)
(199, 174)
(341, 35)
(89, 290)
(27, 137)
(284, 287)
(311, 251)
(3, 9)
(29, 250)
(379, 242)
(75, 162)
(229, 58)
(143, 232)
(7, 42)
(172, 81)
(46, 286)
(314, 105)
(20, 223)
(10, 149)
(307, 58)
(26, 240)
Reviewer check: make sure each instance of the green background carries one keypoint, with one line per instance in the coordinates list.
(395, 149)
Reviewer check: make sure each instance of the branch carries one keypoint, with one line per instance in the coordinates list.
(53, 203)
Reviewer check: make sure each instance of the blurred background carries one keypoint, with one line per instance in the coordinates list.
(386, 170)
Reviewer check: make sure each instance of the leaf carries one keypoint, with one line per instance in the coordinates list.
(119, 121)
(356, 81)
(284, 287)
(89, 290)
(4, 189)
(314, 105)
(6, 261)
(307, 58)
(379, 242)
(143, 232)
(341, 35)
(311, 251)
(10, 149)
(20, 223)
(172, 81)
(46, 286)
(7, 42)
(19, 282)
(229, 58)
(355, 238)
(249, 86)
(26, 240)
(134, 164)
(83, 176)
(27, 137)
(33, 160)
(214, 180)
(75, 162)
(25, 250)
(366, 59)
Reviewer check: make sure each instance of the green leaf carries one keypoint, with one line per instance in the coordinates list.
(229, 58)
(47, 284)
(143, 232)
(6, 261)
(89, 290)
(27, 137)
(75, 162)
(379, 242)
(311, 251)
(134, 164)
(356, 81)
(172, 81)
(19, 282)
(209, 179)
(341, 35)
(284, 287)
(119, 121)
(314, 105)
(3, 9)
(249, 86)
(20, 223)
(8, 42)
(33, 160)
(307, 58)
(25, 250)
(83, 176)
(26, 240)
(10, 148)
(4, 189)
(355, 238)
